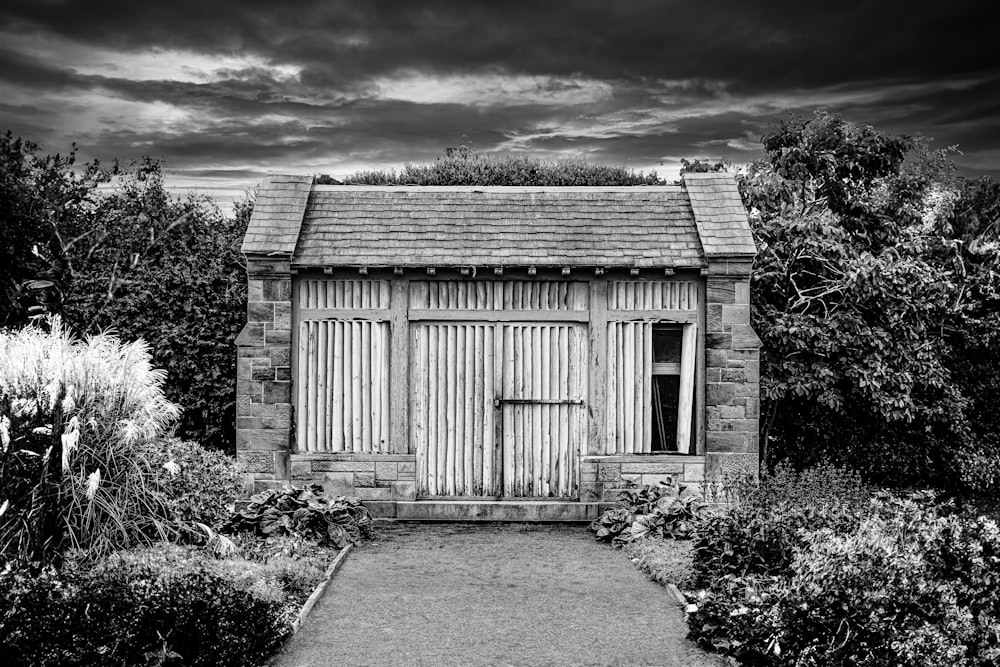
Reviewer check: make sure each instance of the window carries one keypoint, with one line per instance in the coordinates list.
(650, 406)
(665, 389)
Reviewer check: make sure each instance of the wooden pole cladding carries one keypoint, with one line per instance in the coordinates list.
(630, 410)
(487, 376)
(342, 393)
(419, 397)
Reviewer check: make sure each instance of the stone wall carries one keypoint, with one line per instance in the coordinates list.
(732, 376)
(602, 477)
(378, 479)
(264, 367)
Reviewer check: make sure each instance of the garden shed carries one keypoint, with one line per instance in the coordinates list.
(497, 352)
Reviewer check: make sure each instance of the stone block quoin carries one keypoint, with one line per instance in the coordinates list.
(732, 363)
(264, 369)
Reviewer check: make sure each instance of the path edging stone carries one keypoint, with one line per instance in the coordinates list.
(320, 589)
(676, 594)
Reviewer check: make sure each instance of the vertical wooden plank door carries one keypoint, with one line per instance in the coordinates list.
(543, 418)
(452, 392)
(497, 409)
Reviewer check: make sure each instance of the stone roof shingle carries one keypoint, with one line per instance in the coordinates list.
(719, 212)
(277, 215)
(669, 226)
(420, 226)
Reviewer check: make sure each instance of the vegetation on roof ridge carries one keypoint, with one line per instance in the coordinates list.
(463, 166)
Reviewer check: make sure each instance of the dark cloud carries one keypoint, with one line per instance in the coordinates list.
(773, 43)
(638, 82)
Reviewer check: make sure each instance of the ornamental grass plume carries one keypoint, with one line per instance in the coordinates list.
(76, 414)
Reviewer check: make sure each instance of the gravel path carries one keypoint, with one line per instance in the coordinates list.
(495, 594)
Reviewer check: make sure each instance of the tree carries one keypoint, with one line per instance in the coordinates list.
(135, 260)
(168, 271)
(856, 304)
(39, 195)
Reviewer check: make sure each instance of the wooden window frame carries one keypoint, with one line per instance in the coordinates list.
(686, 369)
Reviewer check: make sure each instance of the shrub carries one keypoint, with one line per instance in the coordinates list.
(199, 485)
(307, 512)
(73, 417)
(910, 583)
(169, 271)
(130, 610)
(872, 597)
(759, 531)
(463, 166)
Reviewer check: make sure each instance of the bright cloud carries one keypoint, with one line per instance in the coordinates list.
(153, 64)
(491, 89)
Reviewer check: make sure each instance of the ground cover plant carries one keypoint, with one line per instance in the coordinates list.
(815, 568)
(667, 510)
(307, 512)
(665, 561)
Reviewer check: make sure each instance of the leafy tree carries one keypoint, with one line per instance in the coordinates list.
(702, 167)
(169, 271)
(462, 166)
(859, 302)
(39, 195)
(135, 260)
(972, 330)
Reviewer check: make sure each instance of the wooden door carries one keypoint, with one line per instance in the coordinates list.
(497, 409)
(543, 417)
(452, 396)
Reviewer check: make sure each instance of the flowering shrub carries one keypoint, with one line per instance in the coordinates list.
(735, 617)
(198, 484)
(73, 418)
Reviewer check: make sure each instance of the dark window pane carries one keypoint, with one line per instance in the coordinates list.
(666, 391)
(666, 345)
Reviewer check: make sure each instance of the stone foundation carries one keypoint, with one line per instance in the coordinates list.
(602, 477)
(377, 477)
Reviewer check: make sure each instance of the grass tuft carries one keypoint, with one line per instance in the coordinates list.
(663, 561)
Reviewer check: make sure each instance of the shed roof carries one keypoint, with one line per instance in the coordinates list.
(277, 215)
(500, 226)
(720, 214)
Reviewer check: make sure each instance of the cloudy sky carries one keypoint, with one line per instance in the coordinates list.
(225, 91)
